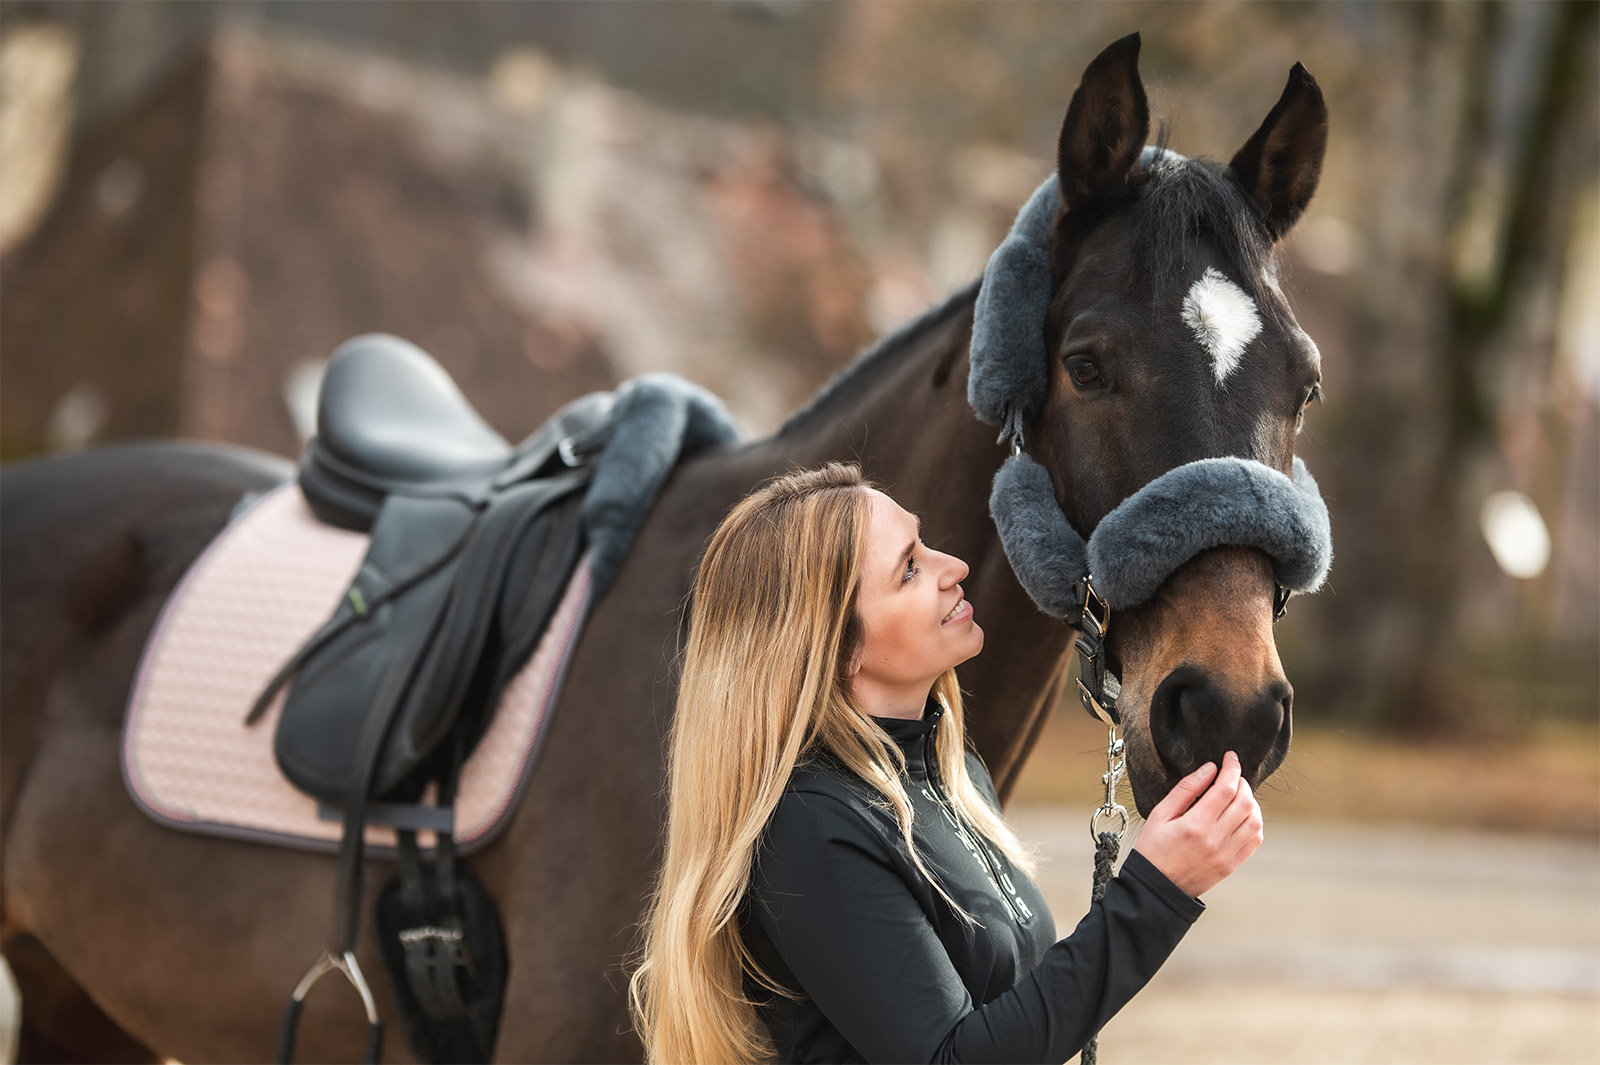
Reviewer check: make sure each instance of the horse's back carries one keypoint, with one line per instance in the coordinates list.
(91, 544)
(87, 541)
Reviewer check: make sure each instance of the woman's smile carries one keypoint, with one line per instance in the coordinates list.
(962, 611)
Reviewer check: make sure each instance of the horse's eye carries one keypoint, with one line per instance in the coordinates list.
(1313, 395)
(1083, 371)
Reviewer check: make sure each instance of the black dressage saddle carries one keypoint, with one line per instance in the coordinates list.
(391, 421)
(472, 541)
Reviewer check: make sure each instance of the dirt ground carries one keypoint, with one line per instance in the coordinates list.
(1426, 904)
(1342, 1027)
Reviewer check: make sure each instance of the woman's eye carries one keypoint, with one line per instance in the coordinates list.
(911, 570)
(1082, 370)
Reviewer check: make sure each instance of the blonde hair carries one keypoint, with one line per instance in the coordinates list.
(765, 684)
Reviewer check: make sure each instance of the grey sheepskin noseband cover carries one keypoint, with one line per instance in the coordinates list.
(1208, 503)
(1137, 546)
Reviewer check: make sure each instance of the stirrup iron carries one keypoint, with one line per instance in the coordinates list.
(346, 964)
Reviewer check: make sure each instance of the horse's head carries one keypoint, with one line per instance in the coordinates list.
(1169, 340)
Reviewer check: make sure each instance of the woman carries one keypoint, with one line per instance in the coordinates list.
(838, 883)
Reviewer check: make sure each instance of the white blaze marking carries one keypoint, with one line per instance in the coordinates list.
(1223, 318)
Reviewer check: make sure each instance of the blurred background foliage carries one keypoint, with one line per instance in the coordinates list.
(199, 201)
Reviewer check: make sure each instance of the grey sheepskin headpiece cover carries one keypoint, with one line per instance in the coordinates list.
(1203, 504)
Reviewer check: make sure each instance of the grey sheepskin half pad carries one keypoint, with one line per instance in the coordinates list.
(1204, 504)
(659, 420)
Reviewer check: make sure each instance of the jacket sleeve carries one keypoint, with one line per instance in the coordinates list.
(831, 898)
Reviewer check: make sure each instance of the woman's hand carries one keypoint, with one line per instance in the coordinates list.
(1197, 840)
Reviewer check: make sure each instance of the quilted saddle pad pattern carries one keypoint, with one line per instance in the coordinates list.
(257, 592)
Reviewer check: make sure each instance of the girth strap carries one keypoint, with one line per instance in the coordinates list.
(434, 940)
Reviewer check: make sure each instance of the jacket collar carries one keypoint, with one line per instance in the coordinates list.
(914, 736)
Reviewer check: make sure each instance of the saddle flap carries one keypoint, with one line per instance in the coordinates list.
(437, 619)
(371, 643)
(482, 638)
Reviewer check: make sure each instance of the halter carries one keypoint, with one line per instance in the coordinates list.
(1135, 548)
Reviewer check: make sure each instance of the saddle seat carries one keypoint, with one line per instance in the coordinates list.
(390, 420)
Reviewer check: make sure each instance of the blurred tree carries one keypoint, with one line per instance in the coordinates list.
(888, 145)
(1471, 243)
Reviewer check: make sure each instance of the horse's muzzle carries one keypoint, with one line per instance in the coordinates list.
(1194, 719)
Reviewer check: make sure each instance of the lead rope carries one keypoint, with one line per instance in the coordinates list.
(1098, 690)
(1106, 827)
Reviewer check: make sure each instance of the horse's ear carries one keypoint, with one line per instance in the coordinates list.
(1280, 163)
(1105, 127)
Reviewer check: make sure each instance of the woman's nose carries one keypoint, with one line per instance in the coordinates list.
(955, 570)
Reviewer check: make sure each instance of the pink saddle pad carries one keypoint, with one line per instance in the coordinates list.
(267, 582)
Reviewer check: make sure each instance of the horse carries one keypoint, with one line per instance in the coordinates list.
(134, 942)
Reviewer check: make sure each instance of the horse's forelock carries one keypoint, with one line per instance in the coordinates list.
(1183, 202)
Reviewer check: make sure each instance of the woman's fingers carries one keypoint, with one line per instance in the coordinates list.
(1244, 817)
(1183, 794)
(1199, 841)
(1247, 847)
(1243, 805)
(1243, 820)
(1211, 805)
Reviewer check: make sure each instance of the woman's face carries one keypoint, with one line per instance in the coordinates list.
(916, 623)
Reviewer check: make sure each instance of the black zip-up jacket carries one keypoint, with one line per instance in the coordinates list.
(887, 972)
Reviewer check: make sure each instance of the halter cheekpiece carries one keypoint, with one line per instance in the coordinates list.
(1208, 503)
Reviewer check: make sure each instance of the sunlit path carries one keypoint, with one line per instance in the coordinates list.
(1341, 943)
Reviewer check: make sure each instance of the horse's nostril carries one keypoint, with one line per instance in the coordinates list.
(1176, 709)
(1262, 730)
(1266, 715)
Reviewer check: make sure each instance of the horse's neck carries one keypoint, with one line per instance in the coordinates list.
(903, 415)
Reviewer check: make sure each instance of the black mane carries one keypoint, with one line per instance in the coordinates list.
(887, 348)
